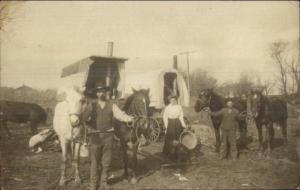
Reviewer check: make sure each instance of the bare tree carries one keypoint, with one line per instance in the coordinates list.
(7, 12)
(293, 64)
(199, 80)
(244, 84)
(277, 50)
(226, 88)
(268, 86)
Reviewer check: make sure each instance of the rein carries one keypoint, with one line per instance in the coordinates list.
(78, 125)
(134, 126)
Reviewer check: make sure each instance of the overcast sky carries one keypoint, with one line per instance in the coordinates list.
(228, 37)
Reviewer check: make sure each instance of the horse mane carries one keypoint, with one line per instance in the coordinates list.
(128, 102)
(134, 104)
(69, 93)
(217, 101)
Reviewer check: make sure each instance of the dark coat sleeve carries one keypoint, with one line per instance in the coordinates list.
(196, 106)
(86, 115)
(218, 113)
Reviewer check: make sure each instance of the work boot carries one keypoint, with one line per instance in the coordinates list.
(92, 187)
(104, 186)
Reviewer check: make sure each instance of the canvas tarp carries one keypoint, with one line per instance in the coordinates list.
(77, 80)
(76, 74)
(154, 80)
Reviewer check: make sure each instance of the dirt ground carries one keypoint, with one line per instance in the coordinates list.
(24, 170)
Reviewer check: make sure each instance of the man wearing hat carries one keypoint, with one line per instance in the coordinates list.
(228, 128)
(101, 113)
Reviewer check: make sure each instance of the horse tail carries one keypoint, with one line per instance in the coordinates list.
(285, 106)
(196, 106)
(43, 116)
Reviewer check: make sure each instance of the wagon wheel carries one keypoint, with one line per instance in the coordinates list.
(154, 129)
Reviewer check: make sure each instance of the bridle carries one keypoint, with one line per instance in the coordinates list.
(133, 126)
(77, 125)
(206, 108)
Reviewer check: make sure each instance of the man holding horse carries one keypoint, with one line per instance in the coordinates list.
(228, 127)
(101, 113)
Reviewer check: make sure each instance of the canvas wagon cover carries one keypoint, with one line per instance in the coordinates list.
(76, 74)
(154, 80)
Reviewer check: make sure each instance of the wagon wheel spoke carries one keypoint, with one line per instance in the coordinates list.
(155, 130)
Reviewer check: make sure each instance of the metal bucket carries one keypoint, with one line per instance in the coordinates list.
(188, 139)
(84, 150)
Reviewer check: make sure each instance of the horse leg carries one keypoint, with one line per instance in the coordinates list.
(64, 150)
(298, 153)
(4, 125)
(75, 162)
(33, 128)
(125, 158)
(283, 125)
(260, 137)
(218, 138)
(269, 137)
(134, 167)
(243, 135)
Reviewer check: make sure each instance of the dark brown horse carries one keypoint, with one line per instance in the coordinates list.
(267, 111)
(19, 112)
(137, 104)
(209, 98)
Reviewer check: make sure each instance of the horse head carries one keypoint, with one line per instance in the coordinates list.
(140, 101)
(204, 99)
(75, 103)
(257, 101)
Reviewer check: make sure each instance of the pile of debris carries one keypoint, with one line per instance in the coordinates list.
(203, 129)
(45, 140)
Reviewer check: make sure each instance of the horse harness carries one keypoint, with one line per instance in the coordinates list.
(134, 127)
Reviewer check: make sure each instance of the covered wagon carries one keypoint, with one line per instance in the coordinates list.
(88, 72)
(161, 82)
(92, 70)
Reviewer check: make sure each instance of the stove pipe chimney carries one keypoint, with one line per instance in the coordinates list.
(110, 48)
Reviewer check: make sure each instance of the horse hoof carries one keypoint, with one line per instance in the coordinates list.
(133, 181)
(62, 182)
(125, 177)
(260, 154)
(78, 181)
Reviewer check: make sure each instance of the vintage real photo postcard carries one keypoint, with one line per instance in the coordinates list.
(149, 95)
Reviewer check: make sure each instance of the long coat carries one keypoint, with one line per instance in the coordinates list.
(229, 118)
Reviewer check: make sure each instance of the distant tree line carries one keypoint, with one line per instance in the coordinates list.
(284, 56)
(45, 98)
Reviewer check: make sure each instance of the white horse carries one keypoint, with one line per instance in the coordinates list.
(66, 124)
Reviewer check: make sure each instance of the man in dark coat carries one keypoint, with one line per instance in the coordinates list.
(101, 113)
(228, 127)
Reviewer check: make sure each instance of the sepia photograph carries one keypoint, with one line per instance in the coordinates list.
(134, 95)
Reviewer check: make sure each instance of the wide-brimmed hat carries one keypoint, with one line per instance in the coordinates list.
(101, 88)
(172, 96)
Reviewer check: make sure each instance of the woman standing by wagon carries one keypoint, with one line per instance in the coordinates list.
(174, 122)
